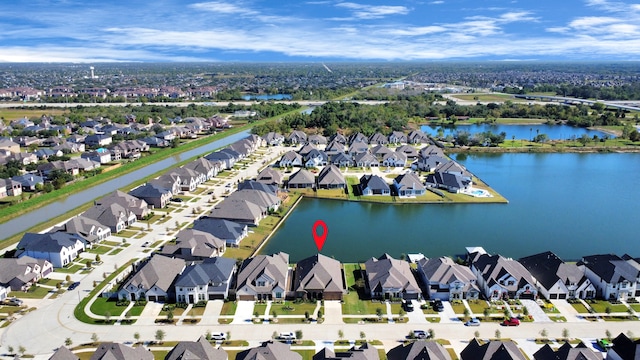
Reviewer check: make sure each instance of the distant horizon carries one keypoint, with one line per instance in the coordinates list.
(260, 31)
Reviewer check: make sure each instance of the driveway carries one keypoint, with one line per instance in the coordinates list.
(148, 315)
(536, 311)
(448, 315)
(416, 316)
(332, 312)
(244, 312)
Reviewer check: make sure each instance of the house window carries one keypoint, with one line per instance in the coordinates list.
(260, 283)
(278, 295)
(510, 283)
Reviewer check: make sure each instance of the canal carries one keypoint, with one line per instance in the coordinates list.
(46, 213)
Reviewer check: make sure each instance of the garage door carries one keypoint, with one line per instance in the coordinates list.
(553, 296)
(563, 296)
(527, 296)
(162, 298)
(152, 298)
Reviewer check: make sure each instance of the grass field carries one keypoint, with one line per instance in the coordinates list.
(15, 114)
(486, 97)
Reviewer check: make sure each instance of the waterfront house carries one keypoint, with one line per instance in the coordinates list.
(431, 150)
(317, 139)
(152, 280)
(274, 139)
(259, 186)
(365, 159)
(29, 182)
(153, 194)
(83, 164)
(315, 158)
(556, 279)
(446, 280)
(101, 155)
(330, 177)
(419, 350)
(57, 248)
(373, 185)
(196, 350)
(319, 277)
(89, 229)
(614, 277)
(452, 167)
(453, 183)
(394, 159)
(10, 187)
(227, 159)
(363, 352)
(380, 151)
(206, 168)
(408, 185)
(290, 159)
(297, 137)
(389, 278)
(342, 160)
(358, 147)
(266, 200)
(208, 280)
(270, 176)
(417, 137)
(409, 151)
(193, 244)
(398, 137)
(303, 179)
(155, 142)
(264, 277)
(116, 351)
(567, 352)
(169, 181)
(269, 350)
(240, 211)
(358, 137)
(231, 232)
(500, 278)
(189, 179)
(378, 139)
(491, 350)
(18, 274)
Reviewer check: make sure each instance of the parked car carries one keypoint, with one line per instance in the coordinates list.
(604, 344)
(407, 305)
(511, 322)
(472, 322)
(218, 336)
(437, 305)
(74, 285)
(179, 200)
(419, 334)
(13, 301)
(287, 336)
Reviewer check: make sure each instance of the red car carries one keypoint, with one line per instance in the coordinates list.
(511, 322)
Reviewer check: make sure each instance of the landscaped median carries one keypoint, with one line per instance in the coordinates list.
(80, 311)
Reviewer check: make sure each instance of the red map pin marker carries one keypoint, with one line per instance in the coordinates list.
(319, 239)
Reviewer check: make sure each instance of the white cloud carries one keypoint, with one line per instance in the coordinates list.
(361, 11)
(437, 2)
(222, 8)
(591, 21)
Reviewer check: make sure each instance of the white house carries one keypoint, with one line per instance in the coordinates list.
(58, 248)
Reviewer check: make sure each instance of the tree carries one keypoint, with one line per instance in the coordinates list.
(306, 315)
(136, 336)
(107, 317)
(207, 335)
(88, 263)
(401, 314)
(68, 342)
(608, 334)
(525, 311)
(94, 338)
(486, 312)
(170, 315)
(466, 313)
(379, 313)
(607, 310)
(160, 334)
(340, 334)
(228, 335)
(431, 334)
(544, 334)
(256, 314)
(274, 335)
(97, 258)
(298, 334)
(22, 350)
(363, 335)
(476, 334)
(274, 314)
(67, 278)
(320, 314)
(498, 334)
(565, 334)
(10, 349)
(584, 139)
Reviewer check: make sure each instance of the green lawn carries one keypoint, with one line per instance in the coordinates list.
(103, 305)
(229, 308)
(115, 251)
(260, 308)
(298, 308)
(458, 308)
(600, 306)
(34, 292)
(580, 308)
(478, 306)
(635, 307)
(71, 269)
(97, 249)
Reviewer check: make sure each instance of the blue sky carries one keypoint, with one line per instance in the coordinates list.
(318, 30)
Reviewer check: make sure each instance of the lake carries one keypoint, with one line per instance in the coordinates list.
(526, 132)
(572, 204)
(267, 97)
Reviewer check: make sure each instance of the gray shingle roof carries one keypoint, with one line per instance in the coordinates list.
(303, 176)
(116, 351)
(64, 354)
(160, 271)
(270, 350)
(330, 175)
(196, 350)
(444, 270)
(493, 350)
(373, 182)
(220, 228)
(214, 270)
(49, 242)
(318, 272)
(274, 266)
(192, 244)
(237, 210)
(419, 350)
(387, 272)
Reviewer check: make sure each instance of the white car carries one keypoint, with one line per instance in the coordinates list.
(218, 336)
(287, 336)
